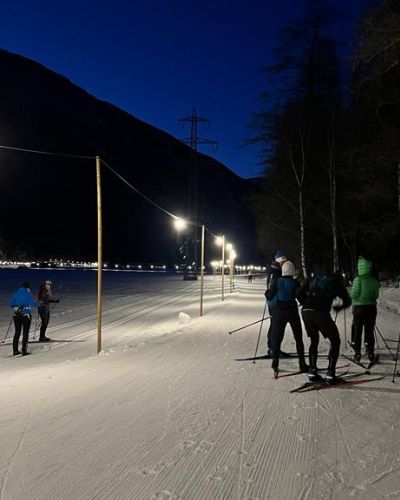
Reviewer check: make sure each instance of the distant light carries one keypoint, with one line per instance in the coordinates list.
(180, 224)
(219, 240)
(128, 266)
(229, 246)
(151, 267)
(139, 267)
(116, 266)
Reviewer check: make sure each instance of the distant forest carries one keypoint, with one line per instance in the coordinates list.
(331, 135)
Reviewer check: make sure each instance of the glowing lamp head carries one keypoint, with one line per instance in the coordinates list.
(219, 240)
(180, 224)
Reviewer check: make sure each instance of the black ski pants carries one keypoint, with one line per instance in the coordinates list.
(44, 313)
(21, 323)
(364, 317)
(269, 334)
(317, 322)
(279, 320)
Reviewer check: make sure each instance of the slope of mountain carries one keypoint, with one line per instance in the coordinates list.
(48, 203)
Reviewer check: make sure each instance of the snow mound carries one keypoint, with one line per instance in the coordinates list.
(183, 318)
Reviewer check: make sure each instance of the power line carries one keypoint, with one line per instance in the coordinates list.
(47, 153)
(84, 157)
(137, 191)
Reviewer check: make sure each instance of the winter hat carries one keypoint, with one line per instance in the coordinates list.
(279, 257)
(288, 269)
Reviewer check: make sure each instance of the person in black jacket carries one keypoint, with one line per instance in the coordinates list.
(44, 298)
(316, 296)
(282, 296)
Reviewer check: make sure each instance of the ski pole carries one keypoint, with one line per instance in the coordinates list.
(251, 324)
(397, 357)
(345, 326)
(384, 341)
(376, 338)
(259, 333)
(8, 329)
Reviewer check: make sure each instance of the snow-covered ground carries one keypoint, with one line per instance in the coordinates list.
(165, 411)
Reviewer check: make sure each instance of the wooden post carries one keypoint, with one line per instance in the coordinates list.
(223, 265)
(202, 270)
(99, 255)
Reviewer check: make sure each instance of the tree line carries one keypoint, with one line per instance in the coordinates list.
(330, 136)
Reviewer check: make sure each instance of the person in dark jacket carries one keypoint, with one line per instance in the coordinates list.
(364, 292)
(281, 296)
(274, 272)
(316, 296)
(22, 302)
(44, 297)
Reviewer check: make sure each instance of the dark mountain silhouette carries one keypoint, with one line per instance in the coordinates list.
(48, 203)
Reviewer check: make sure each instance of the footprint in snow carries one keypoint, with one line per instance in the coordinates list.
(157, 469)
(219, 474)
(164, 495)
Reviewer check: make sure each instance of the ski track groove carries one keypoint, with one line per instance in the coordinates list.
(10, 462)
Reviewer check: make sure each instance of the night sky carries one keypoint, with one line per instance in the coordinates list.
(157, 59)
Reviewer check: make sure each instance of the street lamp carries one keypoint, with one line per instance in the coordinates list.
(180, 224)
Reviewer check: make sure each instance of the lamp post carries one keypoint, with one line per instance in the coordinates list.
(99, 254)
(232, 258)
(202, 269)
(229, 247)
(221, 241)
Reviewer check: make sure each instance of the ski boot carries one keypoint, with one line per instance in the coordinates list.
(332, 378)
(303, 366)
(275, 367)
(357, 356)
(314, 376)
(44, 339)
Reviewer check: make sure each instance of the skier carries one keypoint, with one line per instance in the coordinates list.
(22, 302)
(364, 292)
(44, 297)
(273, 273)
(316, 297)
(281, 296)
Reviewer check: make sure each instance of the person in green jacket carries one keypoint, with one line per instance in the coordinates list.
(364, 293)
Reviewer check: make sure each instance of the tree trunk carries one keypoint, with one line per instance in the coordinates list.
(302, 238)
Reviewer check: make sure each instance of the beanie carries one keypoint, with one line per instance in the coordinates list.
(279, 257)
(288, 269)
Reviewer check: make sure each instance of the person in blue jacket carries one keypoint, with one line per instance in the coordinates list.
(282, 297)
(22, 303)
(273, 273)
